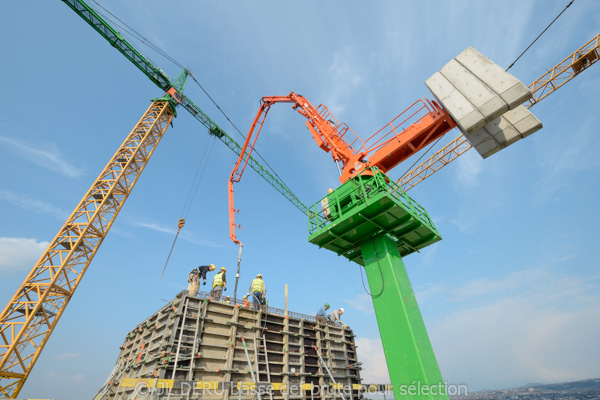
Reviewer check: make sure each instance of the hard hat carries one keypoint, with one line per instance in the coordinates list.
(327, 305)
(341, 309)
(212, 265)
(259, 276)
(223, 269)
(245, 296)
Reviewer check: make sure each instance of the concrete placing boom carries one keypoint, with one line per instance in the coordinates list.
(409, 132)
(371, 221)
(30, 317)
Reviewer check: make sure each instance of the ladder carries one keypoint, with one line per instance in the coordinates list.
(187, 355)
(201, 314)
(327, 369)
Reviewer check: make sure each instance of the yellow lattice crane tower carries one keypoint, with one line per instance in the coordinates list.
(33, 312)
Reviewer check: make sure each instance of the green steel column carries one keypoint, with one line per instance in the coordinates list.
(408, 352)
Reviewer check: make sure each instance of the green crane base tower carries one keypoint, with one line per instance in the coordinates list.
(371, 221)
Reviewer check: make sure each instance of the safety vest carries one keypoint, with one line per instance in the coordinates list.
(218, 279)
(258, 285)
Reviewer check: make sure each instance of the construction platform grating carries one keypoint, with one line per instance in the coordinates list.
(194, 342)
(365, 207)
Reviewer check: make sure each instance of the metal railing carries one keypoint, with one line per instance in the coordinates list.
(366, 187)
(270, 310)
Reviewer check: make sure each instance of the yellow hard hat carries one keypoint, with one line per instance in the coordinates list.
(212, 265)
(259, 276)
(223, 269)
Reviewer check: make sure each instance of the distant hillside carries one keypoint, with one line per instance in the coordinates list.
(588, 389)
(577, 385)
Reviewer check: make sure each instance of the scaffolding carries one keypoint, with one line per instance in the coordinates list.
(195, 347)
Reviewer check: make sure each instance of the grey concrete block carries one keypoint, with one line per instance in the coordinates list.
(524, 121)
(493, 137)
(509, 88)
(489, 104)
(507, 133)
(488, 148)
(457, 105)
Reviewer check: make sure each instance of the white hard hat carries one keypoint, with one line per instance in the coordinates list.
(341, 309)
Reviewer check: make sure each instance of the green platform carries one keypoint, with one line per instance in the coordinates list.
(365, 207)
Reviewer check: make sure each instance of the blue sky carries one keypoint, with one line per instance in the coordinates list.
(509, 296)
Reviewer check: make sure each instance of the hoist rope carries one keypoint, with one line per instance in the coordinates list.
(550, 24)
(145, 41)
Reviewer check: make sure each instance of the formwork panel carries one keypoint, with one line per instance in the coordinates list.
(193, 341)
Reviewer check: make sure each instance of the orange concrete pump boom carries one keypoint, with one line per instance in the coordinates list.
(408, 133)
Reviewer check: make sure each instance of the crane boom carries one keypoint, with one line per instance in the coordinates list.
(563, 72)
(160, 79)
(30, 317)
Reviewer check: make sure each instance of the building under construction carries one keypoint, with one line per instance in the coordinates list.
(197, 347)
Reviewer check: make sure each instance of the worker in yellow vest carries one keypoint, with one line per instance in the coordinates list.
(219, 284)
(257, 288)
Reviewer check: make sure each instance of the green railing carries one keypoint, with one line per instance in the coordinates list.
(361, 190)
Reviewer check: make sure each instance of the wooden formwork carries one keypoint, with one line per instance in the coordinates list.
(194, 348)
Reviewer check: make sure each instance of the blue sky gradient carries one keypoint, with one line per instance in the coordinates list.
(509, 296)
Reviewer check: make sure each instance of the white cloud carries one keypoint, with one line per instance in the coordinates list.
(184, 234)
(534, 325)
(49, 158)
(374, 368)
(19, 254)
(469, 166)
(31, 204)
(361, 302)
(567, 158)
(157, 227)
(67, 356)
(60, 376)
(345, 78)
(516, 341)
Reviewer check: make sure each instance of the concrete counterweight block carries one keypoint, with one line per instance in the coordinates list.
(468, 117)
(509, 88)
(504, 131)
(485, 101)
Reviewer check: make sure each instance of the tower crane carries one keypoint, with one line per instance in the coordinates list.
(577, 62)
(32, 314)
(371, 220)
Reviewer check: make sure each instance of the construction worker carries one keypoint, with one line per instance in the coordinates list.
(226, 300)
(219, 284)
(194, 278)
(257, 288)
(322, 314)
(246, 301)
(334, 317)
